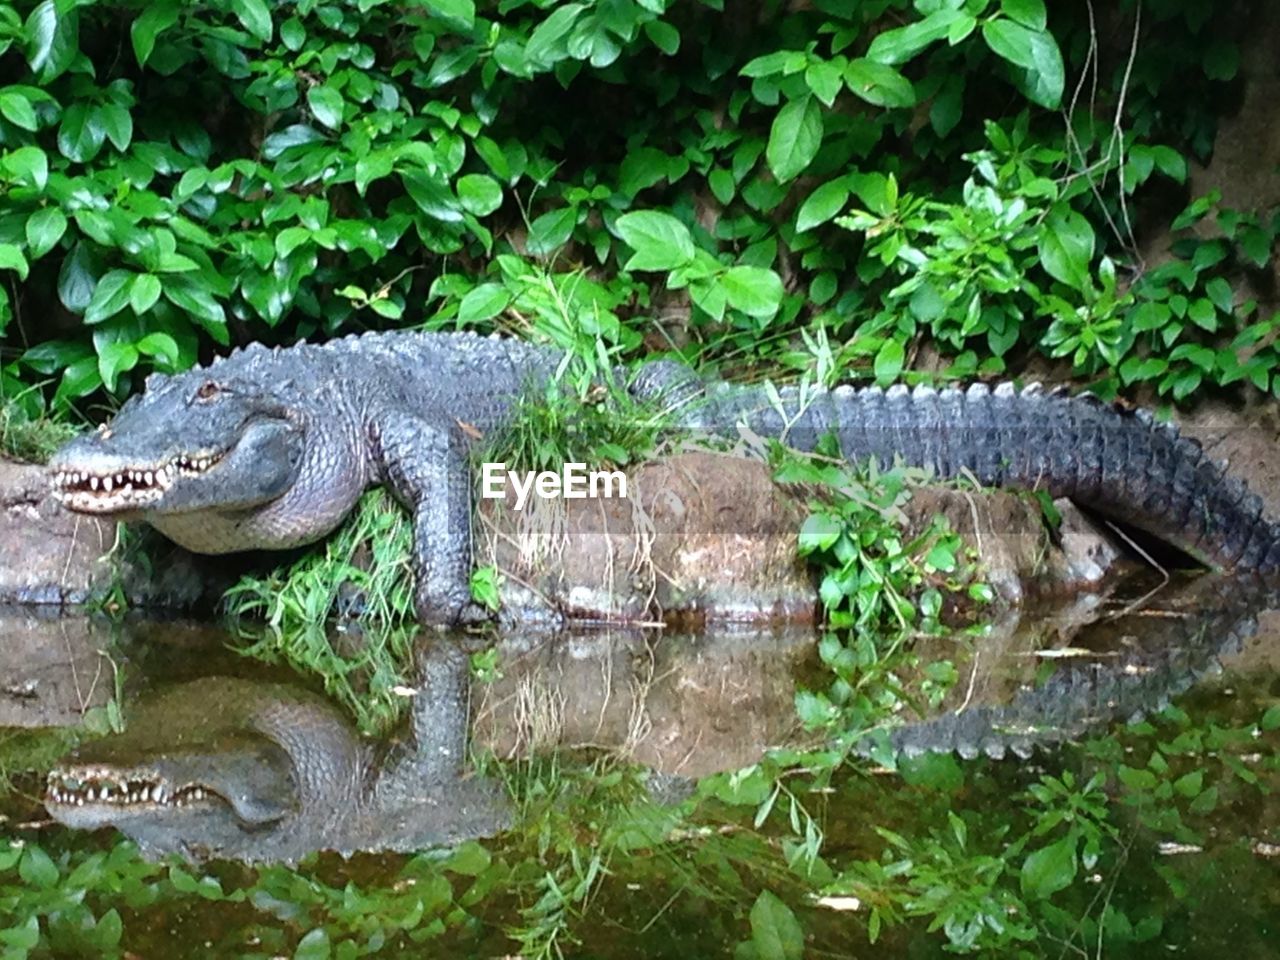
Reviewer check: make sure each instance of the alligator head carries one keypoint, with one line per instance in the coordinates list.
(223, 767)
(211, 458)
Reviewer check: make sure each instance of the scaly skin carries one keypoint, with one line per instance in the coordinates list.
(272, 448)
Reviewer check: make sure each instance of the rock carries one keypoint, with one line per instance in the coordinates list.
(50, 556)
(709, 537)
(700, 535)
(53, 557)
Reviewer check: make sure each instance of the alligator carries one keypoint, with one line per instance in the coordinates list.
(271, 448)
(261, 771)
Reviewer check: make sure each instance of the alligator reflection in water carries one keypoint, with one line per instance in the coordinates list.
(1116, 668)
(227, 767)
(262, 771)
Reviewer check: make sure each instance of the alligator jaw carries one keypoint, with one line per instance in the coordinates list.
(126, 488)
(106, 791)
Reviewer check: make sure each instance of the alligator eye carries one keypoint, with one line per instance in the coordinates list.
(208, 390)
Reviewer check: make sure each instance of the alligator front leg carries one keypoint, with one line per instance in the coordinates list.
(425, 467)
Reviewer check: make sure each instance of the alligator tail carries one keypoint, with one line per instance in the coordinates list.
(1119, 462)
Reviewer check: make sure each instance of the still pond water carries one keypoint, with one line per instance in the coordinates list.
(1087, 782)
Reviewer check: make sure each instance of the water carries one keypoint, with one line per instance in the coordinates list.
(650, 795)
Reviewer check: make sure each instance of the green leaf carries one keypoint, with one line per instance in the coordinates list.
(1066, 246)
(110, 296)
(663, 36)
(660, 241)
(756, 291)
(313, 946)
(45, 228)
(642, 168)
(547, 42)
(290, 239)
(326, 105)
(794, 138)
(480, 194)
(461, 12)
(1029, 13)
(775, 932)
(144, 293)
(433, 196)
(154, 20)
(483, 303)
(28, 165)
(53, 39)
(1049, 869)
(1221, 60)
(293, 34)
(889, 360)
(1189, 785)
(1170, 162)
(81, 134)
(11, 258)
(552, 230)
(879, 84)
(1271, 718)
(22, 937)
(1036, 52)
(485, 587)
(255, 16)
(161, 345)
(187, 293)
(296, 135)
(903, 43)
(824, 80)
(722, 186)
(37, 869)
(948, 106)
(79, 379)
(17, 109)
(77, 279)
(823, 204)
(1011, 41)
(1219, 291)
(114, 359)
(117, 123)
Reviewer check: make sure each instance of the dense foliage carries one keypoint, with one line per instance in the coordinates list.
(817, 186)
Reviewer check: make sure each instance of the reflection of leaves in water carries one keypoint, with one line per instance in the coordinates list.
(775, 932)
(367, 672)
(1050, 869)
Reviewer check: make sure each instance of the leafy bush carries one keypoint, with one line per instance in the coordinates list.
(182, 176)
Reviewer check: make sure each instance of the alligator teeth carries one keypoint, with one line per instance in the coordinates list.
(93, 483)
